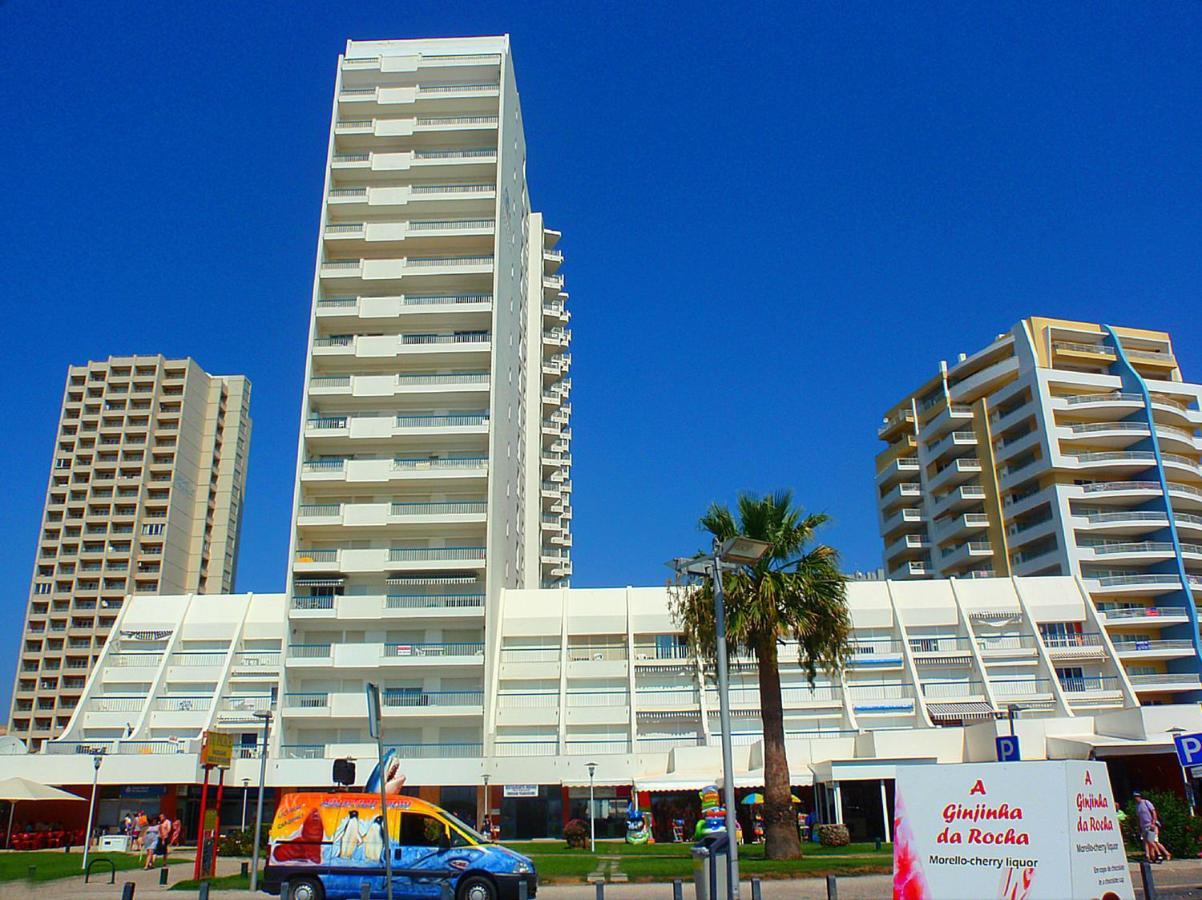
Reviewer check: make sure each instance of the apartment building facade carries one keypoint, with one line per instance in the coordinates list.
(1061, 448)
(144, 497)
(434, 456)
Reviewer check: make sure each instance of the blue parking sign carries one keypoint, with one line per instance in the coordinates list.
(1189, 749)
(1007, 748)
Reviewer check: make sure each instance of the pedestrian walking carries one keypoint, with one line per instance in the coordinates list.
(1149, 829)
(150, 843)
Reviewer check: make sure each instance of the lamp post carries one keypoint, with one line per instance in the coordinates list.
(487, 808)
(87, 837)
(731, 553)
(265, 716)
(245, 794)
(1012, 712)
(592, 818)
(1185, 780)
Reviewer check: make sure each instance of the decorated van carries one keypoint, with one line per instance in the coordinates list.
(326, 845)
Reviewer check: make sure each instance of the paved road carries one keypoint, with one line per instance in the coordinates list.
(1175, 880)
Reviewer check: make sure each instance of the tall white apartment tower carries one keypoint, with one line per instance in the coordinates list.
(433, 466)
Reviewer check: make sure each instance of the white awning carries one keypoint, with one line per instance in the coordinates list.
(963, 711)
(432, 579)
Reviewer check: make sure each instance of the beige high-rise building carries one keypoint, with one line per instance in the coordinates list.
(145, 497)
(1061, 448)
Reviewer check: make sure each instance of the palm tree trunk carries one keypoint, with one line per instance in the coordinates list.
(782, 840)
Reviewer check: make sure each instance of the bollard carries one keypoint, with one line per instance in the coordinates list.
(444, 891)
(163, 875)
(677, 889)
(523, 891)
(600, 890)
(127, 892)
(285, 890)
(364, 890)
(31, 872)
(832, 888)
(1145, 875)
(203, 893)
(245, 870)
(757, 892)
(878, 845)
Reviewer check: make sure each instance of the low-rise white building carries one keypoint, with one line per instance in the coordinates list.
(603, 676)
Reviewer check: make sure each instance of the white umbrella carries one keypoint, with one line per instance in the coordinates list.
(16, 789)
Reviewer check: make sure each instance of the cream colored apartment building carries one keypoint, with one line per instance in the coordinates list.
(1061, 448)
(434, 458)
(145, 497)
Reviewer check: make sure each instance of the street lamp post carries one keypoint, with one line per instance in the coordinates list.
(245, 795)
(265, 716)
(592, 817)
(487, 808)
(87, 837)
(1012, 712)
(730, 553)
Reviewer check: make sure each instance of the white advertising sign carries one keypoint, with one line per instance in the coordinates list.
(1041, 830)
(521, 790)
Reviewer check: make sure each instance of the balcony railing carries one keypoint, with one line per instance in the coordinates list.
(422, 89)
(309, 651)
(316, 556)
(183, 704)
(449, 508)
(452, 462)
(449, 421)
(1138, 646)
(435, 554)
(306, 700)
(1190, 678)
(434, 601)
(432, 698)
(482, 153)
(453, 189)
(1142, 612)
(455, 648)
(1089, 684)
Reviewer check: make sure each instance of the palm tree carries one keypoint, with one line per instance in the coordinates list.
(795, 592)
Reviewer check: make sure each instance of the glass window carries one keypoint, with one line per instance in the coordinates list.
(419, 830)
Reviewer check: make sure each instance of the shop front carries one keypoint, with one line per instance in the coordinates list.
(530, 811)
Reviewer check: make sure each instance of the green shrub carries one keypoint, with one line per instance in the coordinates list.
(240, 842)
(833, 835)
(576, 834)
(1179, 832)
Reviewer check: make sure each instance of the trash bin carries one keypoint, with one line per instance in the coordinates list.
(709, 866)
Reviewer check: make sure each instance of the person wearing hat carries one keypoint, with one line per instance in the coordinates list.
(1149, 829)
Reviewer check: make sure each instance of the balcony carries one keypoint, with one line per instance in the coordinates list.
(1128, 551)
(940, 650)
(893, 424)
(1145, 615)
(375, 386)
(1020, 690)
(905, 493)
(907, 546)
(966, 554)
(896, 470)
(467, 470)
(879, 653)
(1156, 649)
(380, 515)
(1184, 681)
(903, 517)
(1091, 687)
(912, 569)
(967, 495)
(1074, 646)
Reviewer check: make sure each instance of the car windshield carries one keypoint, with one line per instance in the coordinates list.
(467, 829)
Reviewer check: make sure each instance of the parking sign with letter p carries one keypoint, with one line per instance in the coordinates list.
(1007, 748)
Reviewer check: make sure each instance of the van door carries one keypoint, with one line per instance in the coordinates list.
(420, 865)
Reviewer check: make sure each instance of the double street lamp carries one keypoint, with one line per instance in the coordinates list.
(265, 716)
(725, 556)
(592, 814)
(87, 837)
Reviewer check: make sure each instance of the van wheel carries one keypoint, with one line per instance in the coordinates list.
(304, 889)
(477, 887)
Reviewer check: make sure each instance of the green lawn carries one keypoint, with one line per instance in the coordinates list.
(663, 862)
(52, 864)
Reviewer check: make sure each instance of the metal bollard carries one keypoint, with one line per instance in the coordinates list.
(163, 875)
(203, 893)
(31, 873)
(677, 889)
(127, 892)
(364, 890)
(523, 890)
(832, 888)
(245, 870)
(757, 891)
(444, 891)
(285, 890)
(878, 845)
(600, 890)
(1145, 875)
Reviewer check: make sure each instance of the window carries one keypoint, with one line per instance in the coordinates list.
(421, 831)
(153, 528)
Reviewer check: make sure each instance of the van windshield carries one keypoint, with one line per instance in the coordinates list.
(466, 829)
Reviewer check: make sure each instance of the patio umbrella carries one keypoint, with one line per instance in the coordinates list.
(756, 799)
(16, 789)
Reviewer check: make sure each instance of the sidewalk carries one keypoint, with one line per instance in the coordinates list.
(1179, 880)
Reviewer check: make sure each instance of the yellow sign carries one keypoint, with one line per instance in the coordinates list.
(216, 749)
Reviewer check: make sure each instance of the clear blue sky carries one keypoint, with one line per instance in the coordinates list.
(776, 219)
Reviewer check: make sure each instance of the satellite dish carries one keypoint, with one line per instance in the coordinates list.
(11, 745)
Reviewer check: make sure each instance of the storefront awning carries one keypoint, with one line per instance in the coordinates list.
(1101, 746)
